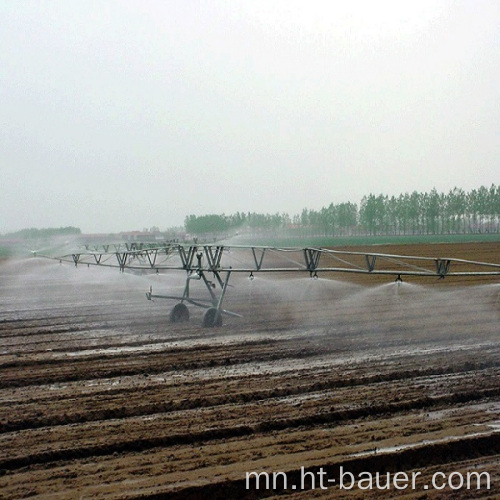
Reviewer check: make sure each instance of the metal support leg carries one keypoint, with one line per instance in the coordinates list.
(213, 316)
(210, 286)
(223, 292)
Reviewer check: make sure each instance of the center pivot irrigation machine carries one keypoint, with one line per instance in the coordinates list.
(218, 262)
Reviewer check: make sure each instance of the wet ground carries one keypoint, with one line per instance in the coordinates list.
(101, 397)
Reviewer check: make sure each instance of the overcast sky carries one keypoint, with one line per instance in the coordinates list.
(119, 115)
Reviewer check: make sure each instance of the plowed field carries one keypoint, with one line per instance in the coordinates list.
(102, 397)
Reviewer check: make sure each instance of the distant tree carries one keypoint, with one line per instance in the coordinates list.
(432, 207)
(35, 233)
(346, 215)
(493, 207)
(368, 213)
(206, 224)
(416, 213)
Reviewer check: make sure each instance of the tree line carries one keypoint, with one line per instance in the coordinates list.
(34, 233)
(457, 211)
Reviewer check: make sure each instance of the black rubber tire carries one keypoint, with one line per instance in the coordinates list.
(179, 314)
(212, 318)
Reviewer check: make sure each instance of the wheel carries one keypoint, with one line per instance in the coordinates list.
(212, 318)
(179, 314)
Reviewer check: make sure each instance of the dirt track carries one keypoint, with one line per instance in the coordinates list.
(101, 397)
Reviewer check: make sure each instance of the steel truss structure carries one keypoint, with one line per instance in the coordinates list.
(200, 262)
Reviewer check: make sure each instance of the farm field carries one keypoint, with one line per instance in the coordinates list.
(102, 397)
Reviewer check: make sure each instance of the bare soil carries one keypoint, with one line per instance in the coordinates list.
(102, 397)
